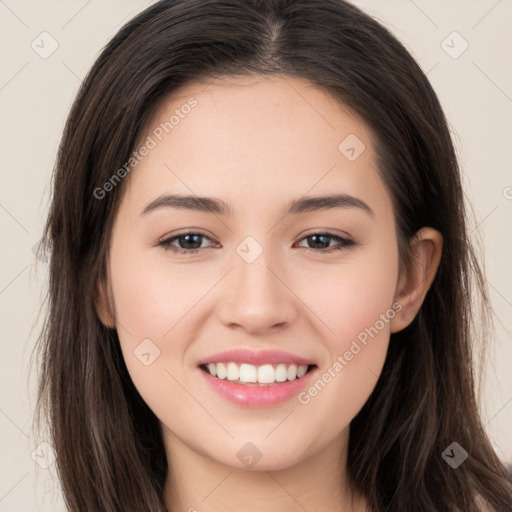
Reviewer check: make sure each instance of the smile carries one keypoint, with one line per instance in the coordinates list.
(249, 374)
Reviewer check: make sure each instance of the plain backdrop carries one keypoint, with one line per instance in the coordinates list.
(47, 49)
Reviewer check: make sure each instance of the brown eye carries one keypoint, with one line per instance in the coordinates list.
(187, 243)
(320, 242)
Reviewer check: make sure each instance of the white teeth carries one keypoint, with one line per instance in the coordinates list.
(212, 368)
(266, 374)
(248, 373)
(301, 370)
(291, 374)
(221, 371)
(233, 373)
(281, 372)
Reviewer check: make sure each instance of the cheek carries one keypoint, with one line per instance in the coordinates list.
(148, 305)
(356, 304)
(154, 313)
(151, 295)
(351, 297)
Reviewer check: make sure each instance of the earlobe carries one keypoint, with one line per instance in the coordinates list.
(413, 285)
(103, 307)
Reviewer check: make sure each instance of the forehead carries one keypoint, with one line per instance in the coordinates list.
(254, 138)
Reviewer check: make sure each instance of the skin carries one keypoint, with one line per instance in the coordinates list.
(257, 143)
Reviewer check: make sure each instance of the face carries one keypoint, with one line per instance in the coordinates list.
(312, 284)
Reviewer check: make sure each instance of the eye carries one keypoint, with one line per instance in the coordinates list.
(321, 242)
(190, 242)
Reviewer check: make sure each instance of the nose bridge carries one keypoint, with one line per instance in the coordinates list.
(252, 269)
(257, 298)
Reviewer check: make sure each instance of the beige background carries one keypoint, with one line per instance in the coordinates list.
(475, 89)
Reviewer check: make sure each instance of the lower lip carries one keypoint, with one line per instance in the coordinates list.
(253, 395)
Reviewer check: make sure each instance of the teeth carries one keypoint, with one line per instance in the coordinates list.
(212, 368)
(233, 373)
(248, 373)
(281, 372)
(266, 374)
(221, 371)
(291, 374)
(301, 370)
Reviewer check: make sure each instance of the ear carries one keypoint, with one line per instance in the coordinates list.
(414, 283)
(103, 306)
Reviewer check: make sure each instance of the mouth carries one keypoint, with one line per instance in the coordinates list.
(252, 375)
(263, 378)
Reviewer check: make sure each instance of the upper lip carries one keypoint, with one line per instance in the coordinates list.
(255, 358)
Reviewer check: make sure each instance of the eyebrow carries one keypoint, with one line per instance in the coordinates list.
(219, 207)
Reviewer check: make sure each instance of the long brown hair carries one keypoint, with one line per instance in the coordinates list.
(110, 452)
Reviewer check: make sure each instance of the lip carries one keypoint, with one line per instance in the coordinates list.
(256, 358)
(258, 395)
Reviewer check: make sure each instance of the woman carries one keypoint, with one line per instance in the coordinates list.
(315, 354)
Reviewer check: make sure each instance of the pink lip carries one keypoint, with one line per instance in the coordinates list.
(257, 395)
(256, 358)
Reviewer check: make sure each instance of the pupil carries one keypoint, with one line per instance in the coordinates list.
(188, 241)
(315, 239)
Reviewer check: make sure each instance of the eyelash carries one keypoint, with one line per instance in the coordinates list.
(342, 242)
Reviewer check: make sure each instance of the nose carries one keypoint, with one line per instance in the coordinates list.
(256, 297)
